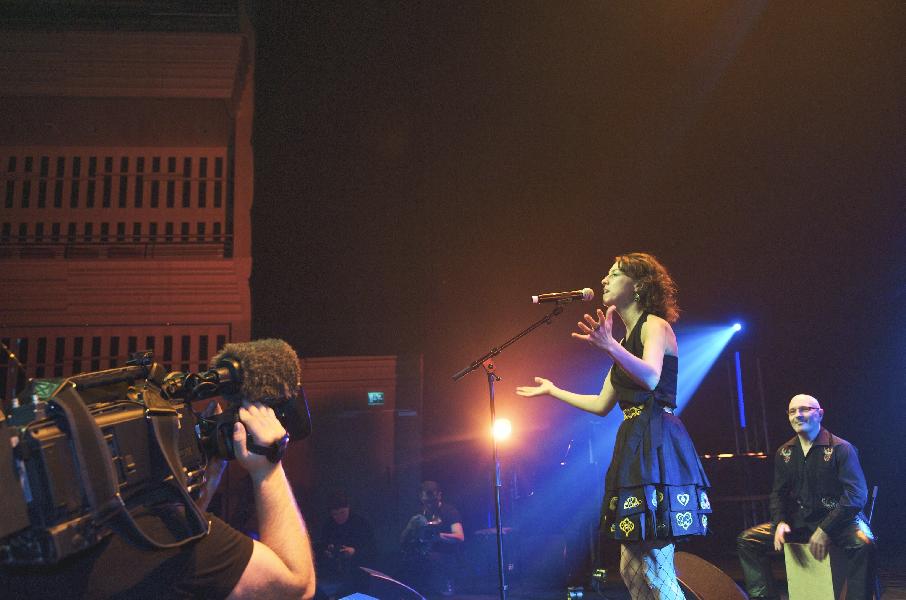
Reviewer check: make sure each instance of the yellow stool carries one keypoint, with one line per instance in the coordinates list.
(810, 579)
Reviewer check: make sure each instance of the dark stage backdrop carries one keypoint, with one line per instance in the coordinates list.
(422, 169)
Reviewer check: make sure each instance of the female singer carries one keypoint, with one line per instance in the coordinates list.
(655, 485)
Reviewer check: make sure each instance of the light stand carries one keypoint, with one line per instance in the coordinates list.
(486, 363)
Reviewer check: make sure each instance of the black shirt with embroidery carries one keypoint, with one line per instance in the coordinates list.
(825, 488)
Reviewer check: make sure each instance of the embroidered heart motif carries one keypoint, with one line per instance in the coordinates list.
(704, 502)
(683, 499)
(684, 520)
(631, 502)
(626, 526)
(704, 521)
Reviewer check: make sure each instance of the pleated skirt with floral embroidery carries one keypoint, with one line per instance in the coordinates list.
(655, 487)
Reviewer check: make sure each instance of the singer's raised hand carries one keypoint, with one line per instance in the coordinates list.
(544, 387)
(598, 332)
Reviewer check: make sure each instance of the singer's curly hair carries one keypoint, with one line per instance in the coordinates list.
(657, 291)
(270, 366)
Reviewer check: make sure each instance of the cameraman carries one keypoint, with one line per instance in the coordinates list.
(430, 542)
(222, 564)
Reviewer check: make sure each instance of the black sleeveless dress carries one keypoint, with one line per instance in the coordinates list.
(655, 485)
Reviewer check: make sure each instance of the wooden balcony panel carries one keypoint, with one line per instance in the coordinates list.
(121, 64)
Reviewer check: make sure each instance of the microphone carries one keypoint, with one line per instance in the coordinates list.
(585, 294)
(270, 373)
(265, 371)
(258, 371)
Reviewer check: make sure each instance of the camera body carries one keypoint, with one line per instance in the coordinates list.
(44, 482)
(145, 446)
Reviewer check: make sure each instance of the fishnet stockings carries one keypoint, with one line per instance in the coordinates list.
(647, 570)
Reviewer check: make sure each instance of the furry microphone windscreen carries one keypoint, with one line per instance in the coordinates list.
(270, 368)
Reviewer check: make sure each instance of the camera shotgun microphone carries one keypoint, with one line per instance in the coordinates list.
(270, 374)
(585, 294)
(265, 371)
(258, 371)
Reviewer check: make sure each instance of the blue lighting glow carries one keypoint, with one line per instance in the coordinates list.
(737, 327)
(699, 348)
(739, 399)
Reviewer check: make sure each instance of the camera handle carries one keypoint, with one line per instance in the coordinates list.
(95, 466)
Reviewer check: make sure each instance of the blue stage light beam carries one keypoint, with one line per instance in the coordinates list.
(741, 403)
(700, 346)
(563, 490)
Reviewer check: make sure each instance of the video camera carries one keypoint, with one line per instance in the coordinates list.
(78, 456)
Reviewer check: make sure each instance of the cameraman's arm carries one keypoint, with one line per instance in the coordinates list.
(281, 563)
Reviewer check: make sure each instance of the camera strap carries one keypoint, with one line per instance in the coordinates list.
(165, 423)
(99, 481)
(94, 462)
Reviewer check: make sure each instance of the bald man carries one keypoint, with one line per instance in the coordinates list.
(818, 496)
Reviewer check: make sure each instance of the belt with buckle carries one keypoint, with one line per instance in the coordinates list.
(634, 411)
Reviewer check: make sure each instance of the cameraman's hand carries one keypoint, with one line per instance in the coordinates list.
(261, 423)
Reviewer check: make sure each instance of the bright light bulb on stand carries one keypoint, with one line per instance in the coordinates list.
(502, 429)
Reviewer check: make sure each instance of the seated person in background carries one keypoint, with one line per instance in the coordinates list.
(346, 543)
(818, 496)
(429, 542)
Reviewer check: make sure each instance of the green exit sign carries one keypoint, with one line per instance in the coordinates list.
(375, 398)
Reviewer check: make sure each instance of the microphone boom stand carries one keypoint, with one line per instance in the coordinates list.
(487, 364)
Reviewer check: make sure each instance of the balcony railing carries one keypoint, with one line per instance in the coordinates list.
(172, 247)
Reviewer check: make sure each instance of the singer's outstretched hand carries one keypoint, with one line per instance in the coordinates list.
(544, 387)
(598, 332)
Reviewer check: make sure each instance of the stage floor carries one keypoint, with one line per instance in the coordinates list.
(892, 573)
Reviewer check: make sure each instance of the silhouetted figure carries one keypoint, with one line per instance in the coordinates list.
(430, 543)
(346, 543)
